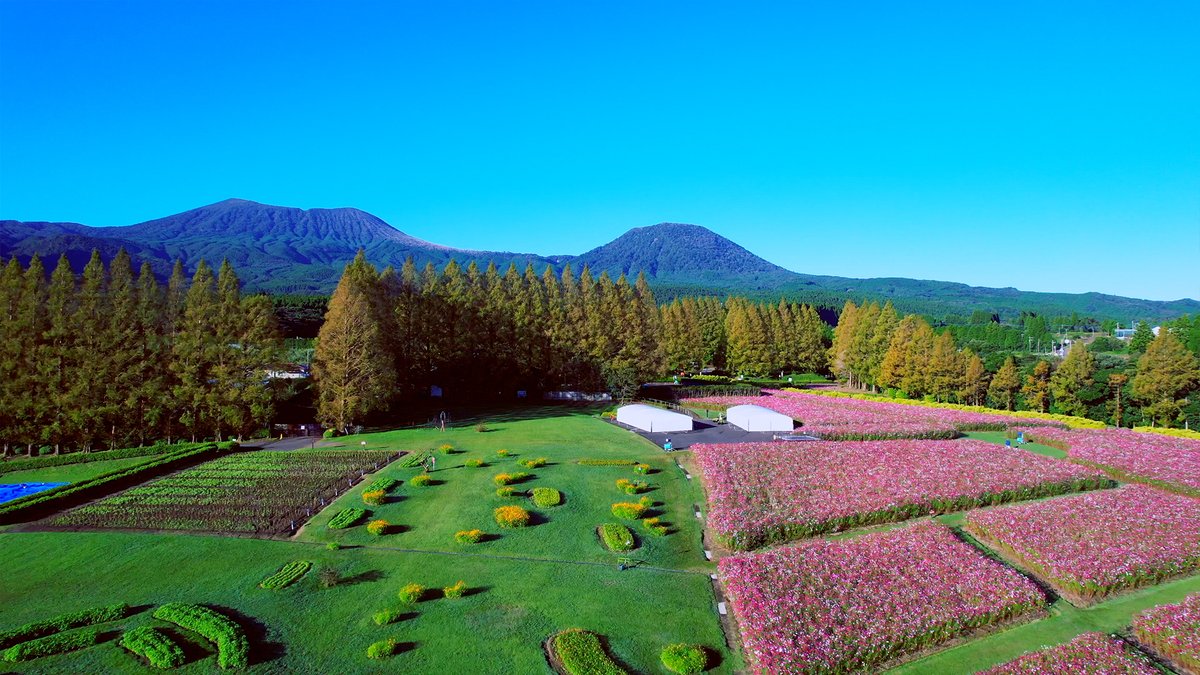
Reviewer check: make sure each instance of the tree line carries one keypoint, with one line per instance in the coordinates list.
(110, 358)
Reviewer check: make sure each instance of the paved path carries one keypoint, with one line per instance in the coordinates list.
(704, 433)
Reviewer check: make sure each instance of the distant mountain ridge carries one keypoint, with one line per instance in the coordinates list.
(290, 250)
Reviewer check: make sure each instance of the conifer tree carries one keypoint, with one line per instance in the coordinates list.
(1166, 374)
(1073, 375)
(975, 379)
(194, 352)
(1005, 384)
(1037, 387)
(1143, 335)
(87, 408)
(54, 366)
(150, 395)
(12, 343)
(30, 392)
(808, 340)
(945, 367)
(843, 333)
(1116, 383)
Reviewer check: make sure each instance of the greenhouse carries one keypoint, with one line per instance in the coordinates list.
(758, 418)
(649, 418)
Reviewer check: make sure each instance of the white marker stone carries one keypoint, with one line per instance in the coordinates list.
(721, 608)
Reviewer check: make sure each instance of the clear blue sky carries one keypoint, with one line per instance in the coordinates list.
(1046, 146)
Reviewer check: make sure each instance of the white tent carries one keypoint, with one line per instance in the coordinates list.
(649, 418)
(758, 418)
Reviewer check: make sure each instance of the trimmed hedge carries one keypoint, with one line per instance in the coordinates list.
(684, 659)
(374, 497)
(617, 537)
(51, 644)
(468, 536)
(381, 649)
(378, 528)
(1177, 433)
(536, 463)
(43, 503)
(86, 617)
(233, 649)
(384, 484)
(386, 616)
(510, 478)
(581, 653)
(287, 575)
(628, 510)
(411, 594)
(345, 518)
(632, 487)
(12, 465)
(544, 497)
(420, 480)
(154, 646)
(511, 516)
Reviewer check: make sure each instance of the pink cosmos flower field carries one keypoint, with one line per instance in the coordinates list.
(761, 493)
(1171, 462)
(1091, 545)
(1173, 631)
(839, 606)
(1088, 653)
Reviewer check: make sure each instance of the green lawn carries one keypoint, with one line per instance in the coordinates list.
(999, 437)
(71, 473)
(533, 582)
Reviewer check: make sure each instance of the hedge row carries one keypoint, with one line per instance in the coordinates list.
(384, 484)
(581, 653)
(233, 649)
(43, 503)
(154, 646)
(51, 644)
(607, 462)
(85, 457)
(345, 518)
(1177, 433)
(287, 575)
(86, 617)
(1069, 420)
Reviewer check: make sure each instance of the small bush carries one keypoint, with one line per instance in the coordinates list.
(632, 487)
(646, 502)
(86, 617)
(628, 510)
(378, 527)
(502, 453)
(617, 537)
(411, 594)
(581, 653)
(333, 546)
(330, 433)
(456, 591)
(345, 518)
(544, 497)
(511, 516)
(287, 575)
(446, 449)
(386, 616)
(421, 480)
(482, 428)
(374, 497)
(154, 646)
(533, 463)
(474, 463)
(684, 659)
(654, 526)
(510, 478)
(505, 492)
(382, 649)
(233, 649)
(641, 468)
(329, 577)
(51, 644)
(468, 536)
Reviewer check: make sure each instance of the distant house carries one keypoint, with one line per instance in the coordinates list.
(291, 371)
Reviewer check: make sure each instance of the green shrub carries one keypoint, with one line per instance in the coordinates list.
(411, 594)
(233, 650)
(628, 510)
(421, 480)
(544, 497)
(86, 617)
(333, 546)
(345, 518)
(446, 449)
(413, 459)
(154, 646)
(646, 502)
(329, 577)
(641, 468)
(617, 537)
(51, 644)
(511, 516)
(475, 463)
(386, 616)
(533, 463)
(581, 653)
(456, 591)
(482, 428)
(505, 492)
(606, 462)
(654, 526)
(287, 575)
(330, 433)
(510, 478)
(381, 649)
(378, 528)
(684, 659)
(502, 453)
(468, 536)
(632, 487)
(374, 497)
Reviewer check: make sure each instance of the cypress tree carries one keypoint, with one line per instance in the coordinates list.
(1037, 387)
(12, 340)
(54, 366)
(1166, 374)
(1005, 384)
(195, 350)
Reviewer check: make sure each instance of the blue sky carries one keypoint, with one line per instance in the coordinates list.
(1046, 146)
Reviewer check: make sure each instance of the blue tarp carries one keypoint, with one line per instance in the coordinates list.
(11, 491)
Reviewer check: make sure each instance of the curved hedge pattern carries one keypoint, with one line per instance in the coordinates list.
(581, 653)
(287, 575)
(51, 644)
(86, 617)
(345, 518)
(154, 646)
(233, 649)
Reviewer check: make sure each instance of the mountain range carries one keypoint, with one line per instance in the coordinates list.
(289, 250)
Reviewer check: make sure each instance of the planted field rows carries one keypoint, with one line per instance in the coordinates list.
(848, 419)
(1088, 653)
(1093, 545)
(1173, 632)
(763, 493)
(1167, 461)
(840, 606)
(255, 492)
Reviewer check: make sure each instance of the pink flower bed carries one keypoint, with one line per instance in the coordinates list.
(852, 419)
(1173, 631)
(854, 604)
(761, 493)
(1088, 653)
(1091, 545)
(1171, 462)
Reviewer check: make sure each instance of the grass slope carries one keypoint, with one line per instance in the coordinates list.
(72, 473)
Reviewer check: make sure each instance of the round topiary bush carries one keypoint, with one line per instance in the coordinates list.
(628, 510)
(374, 497)
(378, 527)
(411, 594)
(511, 516)
(468, 536)
(421, 480)
(381, 649)
(505, 492)
(544, 497)
(385, 616)
(474, 463)
(684, 659)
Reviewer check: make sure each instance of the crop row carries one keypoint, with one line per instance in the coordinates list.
(1166, 461)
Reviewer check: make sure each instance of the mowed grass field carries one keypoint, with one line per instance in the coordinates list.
(72, 473)
(528, 583)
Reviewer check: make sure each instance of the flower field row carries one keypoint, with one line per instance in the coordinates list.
(1088, 653)
(762, 493)
(1167, 461)
(840, 606)
(1092, 545)
(854, 419)
(1173, 631)
(259, 492)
